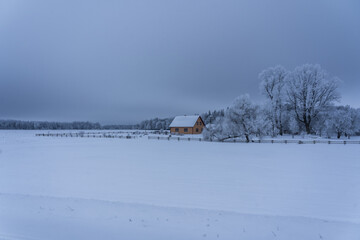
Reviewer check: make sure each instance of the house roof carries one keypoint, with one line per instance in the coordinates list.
(184, 121)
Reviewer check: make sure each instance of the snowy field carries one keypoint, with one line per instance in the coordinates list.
(103, 188)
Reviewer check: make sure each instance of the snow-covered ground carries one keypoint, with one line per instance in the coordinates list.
(104, 188)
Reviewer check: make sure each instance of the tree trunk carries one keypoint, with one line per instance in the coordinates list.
(338, 135)
(281, 132)
(307, 127)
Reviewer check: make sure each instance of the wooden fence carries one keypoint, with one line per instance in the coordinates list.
(175, 138)
(116, 135)
(297, 141)
(84, 135)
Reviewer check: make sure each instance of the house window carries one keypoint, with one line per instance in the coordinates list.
(200, 123)
(176, 129)
(185, 129)
(197, 130)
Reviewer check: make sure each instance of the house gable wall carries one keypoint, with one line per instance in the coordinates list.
(191, 130)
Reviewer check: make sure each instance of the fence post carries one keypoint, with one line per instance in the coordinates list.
(314, 142)
(344, 142)
(285, 141)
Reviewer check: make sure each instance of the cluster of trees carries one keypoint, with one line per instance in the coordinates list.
(43, 125)
(119, 126)
(298, 101)
(155, 124)
(210, 117)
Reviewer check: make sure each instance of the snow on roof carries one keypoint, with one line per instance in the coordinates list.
(184, 121)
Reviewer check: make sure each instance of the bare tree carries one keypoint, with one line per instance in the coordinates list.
(309, 92)
(272, 86)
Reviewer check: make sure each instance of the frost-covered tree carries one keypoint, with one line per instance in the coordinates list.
(294, 126)
(309, 92)
(344, 120)
(240, 118)
(272, 87)
(263, 124)
(319, 125)
(216, 130)
(243, 119)
(357, 122)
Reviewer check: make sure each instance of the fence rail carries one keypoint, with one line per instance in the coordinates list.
(272, 141)
(175, 138)
(259, 140)
(84, 135)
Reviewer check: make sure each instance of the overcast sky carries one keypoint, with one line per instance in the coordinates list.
(125, 61)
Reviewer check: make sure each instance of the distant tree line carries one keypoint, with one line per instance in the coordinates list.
(155, 124)
(44, 125)
(297, 102)
(119, 126)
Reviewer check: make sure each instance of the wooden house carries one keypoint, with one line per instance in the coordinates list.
(187, 125)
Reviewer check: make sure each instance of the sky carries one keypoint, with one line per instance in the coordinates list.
(126, 61)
